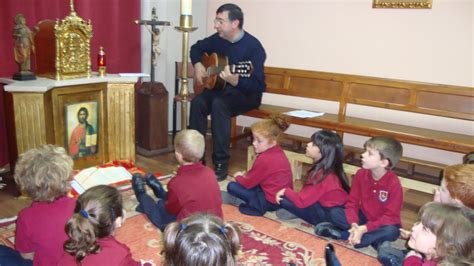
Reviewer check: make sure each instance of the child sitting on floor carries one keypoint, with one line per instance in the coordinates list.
(201, 240)
(445, 236)
(97, 215)
(269, 174)
(372, 213)
(193, 189)
(325, 186)
(457, 187)
(42, 174)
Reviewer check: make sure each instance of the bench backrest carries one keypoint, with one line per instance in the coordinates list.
(424, 98)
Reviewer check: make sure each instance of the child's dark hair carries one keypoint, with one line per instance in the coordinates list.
(94, 217)
(201, 239)
(271, 127)
(332, 157)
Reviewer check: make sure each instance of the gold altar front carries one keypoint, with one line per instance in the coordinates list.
(40, 112)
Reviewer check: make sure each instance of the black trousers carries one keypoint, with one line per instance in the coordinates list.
(221, 105)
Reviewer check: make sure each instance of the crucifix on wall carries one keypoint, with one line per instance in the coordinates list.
(152, 27)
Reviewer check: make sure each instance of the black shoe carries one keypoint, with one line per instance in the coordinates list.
(330, 256)
(327, 230)
(155, 185)
(221, 171)
(137, 184)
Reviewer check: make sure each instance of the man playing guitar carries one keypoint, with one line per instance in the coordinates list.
(239, 95)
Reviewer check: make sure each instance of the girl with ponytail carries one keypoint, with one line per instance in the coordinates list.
(97, 215)
(201, 240)
(271, 171)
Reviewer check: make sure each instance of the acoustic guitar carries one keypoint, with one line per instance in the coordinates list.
(214, 64)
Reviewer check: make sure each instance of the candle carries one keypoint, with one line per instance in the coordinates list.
(186, 7)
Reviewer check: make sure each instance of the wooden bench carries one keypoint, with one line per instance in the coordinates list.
(351, 90)
(297, 160)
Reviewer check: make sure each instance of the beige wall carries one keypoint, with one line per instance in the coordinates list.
(429, 45)
(345, 36)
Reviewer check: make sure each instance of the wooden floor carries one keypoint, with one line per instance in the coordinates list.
(10, 203)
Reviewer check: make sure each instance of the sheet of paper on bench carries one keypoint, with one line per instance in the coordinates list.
(94, 176)
(304, 113)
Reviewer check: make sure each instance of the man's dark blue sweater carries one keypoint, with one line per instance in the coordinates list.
(248, 48)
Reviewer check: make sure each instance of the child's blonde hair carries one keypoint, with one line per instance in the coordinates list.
(459, 180)
(190, 143)
(272, 127)
(94, 217)
(43, 173)
(453, 227)
(201, 240)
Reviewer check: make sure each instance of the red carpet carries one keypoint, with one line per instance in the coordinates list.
(264, 242)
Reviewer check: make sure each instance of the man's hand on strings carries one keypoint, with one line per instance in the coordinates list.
(232, 79)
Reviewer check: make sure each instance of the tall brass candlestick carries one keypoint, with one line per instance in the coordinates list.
(185, 26)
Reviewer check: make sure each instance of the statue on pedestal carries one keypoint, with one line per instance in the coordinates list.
(23, 48)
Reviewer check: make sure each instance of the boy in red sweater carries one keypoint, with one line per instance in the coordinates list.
(372, 213)
(193, 189)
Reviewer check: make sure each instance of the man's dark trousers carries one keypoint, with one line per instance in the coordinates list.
(221, 105)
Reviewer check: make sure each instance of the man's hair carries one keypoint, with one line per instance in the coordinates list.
(190, 143)
(235, 13)
(453, 227)
(388, 148)
(83, 109)
(93, 218)
(43, 173)
(459, 180)
(201, 240)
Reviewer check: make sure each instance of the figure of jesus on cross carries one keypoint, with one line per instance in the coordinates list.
(151, 26)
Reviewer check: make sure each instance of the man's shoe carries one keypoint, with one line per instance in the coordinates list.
(155, 186)
(221, 171)
(137, 184)
(327, 230)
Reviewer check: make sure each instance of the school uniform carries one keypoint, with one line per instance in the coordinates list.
(374, 203)
(40, 229)
(314, 202)
(193, 189)
(270, 173)
(111, 253)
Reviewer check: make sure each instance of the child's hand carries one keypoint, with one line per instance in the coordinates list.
(437, 196)
(279, 195)
(405, 234)
(239, 173)
(231, 179)
(357, 233)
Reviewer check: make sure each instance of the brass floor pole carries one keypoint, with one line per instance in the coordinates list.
(186, 22)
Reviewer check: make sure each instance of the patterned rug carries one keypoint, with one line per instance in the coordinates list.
(264, 242)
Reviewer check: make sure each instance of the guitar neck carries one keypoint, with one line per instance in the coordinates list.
(214, 70)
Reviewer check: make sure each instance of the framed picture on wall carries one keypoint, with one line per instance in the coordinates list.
(79, 123)
(82, 129)
(402, 3)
